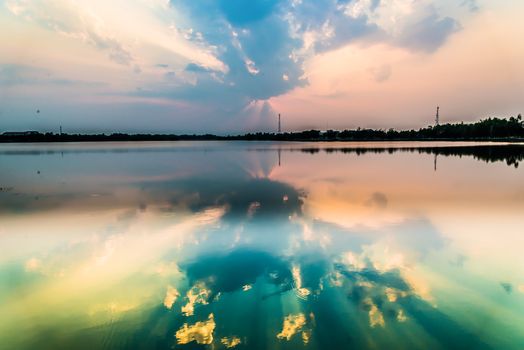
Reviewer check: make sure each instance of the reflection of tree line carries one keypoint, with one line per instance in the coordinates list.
(511, 154)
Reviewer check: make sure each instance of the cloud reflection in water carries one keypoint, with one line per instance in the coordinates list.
(229, 249)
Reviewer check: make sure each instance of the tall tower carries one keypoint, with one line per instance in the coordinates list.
(437, 116)
(279, 125)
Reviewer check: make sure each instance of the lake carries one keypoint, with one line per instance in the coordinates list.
(261, 245)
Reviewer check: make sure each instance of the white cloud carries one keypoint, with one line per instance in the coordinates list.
(200, 332)
(125, 32)
(171, 296)
(292, 325)
(68, 18)
(198, 294)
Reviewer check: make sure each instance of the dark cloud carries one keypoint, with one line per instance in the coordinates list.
(378, 200)
(259, 42)
(241, 12)
(238, 195)
(472, 5)
(255, 44)
(508, 287)
(230, 272)
(429, 33)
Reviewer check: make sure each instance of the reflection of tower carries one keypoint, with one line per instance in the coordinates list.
(279, 150)
(437, 116)
(279, 125)
(435, 162)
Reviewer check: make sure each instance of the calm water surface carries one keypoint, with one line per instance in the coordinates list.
(261, 246)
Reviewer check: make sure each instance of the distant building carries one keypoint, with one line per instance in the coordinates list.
(20, 133)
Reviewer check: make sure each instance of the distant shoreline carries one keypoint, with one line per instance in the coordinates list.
(181, 138)
(491, 130)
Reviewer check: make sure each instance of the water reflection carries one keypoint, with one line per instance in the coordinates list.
(511, 154)
(261, 245)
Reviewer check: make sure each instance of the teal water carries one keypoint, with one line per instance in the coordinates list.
(215, 245)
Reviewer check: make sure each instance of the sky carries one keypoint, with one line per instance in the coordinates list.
(231, 66)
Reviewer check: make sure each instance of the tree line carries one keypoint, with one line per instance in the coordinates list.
(486, 129)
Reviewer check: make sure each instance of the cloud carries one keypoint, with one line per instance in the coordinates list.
(376, 318)
(329, 24)
(196, 68)
(198, 294)
(14, 75)
(226, 58)
(472, 5)
(241, 12)
(171, 296)
(381, 73)
(374, 4)
(200, 332)
(378, 200)
(292, 325)
(170, 76)
(508, 287)
(219, 271)
(230, 342)
(264, 43)
(429, 33)
(68, 19)
(253, 41)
